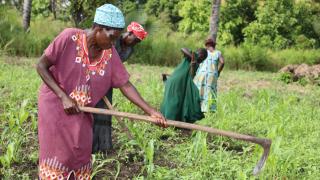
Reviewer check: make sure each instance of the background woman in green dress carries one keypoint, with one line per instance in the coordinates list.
(181, 99)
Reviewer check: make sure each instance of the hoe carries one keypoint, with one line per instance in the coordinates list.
(264, 143)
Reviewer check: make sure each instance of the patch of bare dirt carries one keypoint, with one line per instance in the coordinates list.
(260, 84)
(19, 61)
(160, 160)
(131, 163)
(248, 95)
(30, 167)
(128, 170)
(250, 85)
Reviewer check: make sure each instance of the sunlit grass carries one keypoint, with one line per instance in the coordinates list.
(252, 103)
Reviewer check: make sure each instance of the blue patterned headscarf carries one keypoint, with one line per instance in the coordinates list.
(109, 15)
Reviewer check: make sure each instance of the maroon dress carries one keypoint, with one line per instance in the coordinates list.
(66, 140)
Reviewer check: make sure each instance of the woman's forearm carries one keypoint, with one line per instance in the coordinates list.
(220, 67)
(43, 70)
(192, 69)
(221, 64)
(186, 52)
(133, 95)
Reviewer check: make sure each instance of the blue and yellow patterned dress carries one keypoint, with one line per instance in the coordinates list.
(206, 80)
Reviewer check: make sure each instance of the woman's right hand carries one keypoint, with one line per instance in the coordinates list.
(193, 61)
(69, 105)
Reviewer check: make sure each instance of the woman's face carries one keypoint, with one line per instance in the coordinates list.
(130, 39)
(106, 38)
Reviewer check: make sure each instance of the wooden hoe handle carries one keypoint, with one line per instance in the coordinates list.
(265, 143)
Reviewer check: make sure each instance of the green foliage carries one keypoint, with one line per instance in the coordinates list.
(8, 158)
(287, 114)
(13, 39)
(276, 24)
(98, 161)
(195, 15)
(248, 57)
(286, 77)
(83, 11)
(302, 42)
(293, 56)
(281, 24)
(127, 6)
(303, 81)
(40, 8)
(147, 146)
(139, 16)
(199, 148)
(306, 34)
(273, 25)
(153, 7)
(235, 15)
(80, 12)
(162, 48)
(166, 10)
(18, 122)
(18, 4)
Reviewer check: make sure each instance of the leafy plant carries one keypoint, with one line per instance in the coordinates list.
(303, 81)
(9, 157)
(286, 78)
(98, 163)
(275, 22)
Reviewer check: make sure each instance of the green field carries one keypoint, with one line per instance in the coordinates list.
(253, 103)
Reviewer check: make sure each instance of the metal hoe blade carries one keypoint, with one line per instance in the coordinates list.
(266, 150)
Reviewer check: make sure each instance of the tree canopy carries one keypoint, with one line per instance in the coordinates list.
(276, 24)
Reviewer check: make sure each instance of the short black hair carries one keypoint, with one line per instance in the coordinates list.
(210, 42)
(106, 27)
(203, 51)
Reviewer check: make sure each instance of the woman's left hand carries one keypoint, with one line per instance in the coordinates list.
(161, 121)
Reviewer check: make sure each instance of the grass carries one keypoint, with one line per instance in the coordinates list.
(254, 103)
(15, 41)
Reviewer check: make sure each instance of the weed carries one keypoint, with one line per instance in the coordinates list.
(287, 114)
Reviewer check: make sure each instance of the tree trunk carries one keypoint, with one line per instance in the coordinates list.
(77, 11)
(53, 8)
(214, 20)
(26, 14)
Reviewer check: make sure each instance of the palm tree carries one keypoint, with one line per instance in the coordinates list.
(214, 20)
(27, 4)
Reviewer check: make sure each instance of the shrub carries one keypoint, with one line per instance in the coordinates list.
(247, 57)
(163, 47)
(13, 39)
(286, 77)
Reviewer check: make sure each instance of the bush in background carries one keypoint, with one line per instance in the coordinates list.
(295, 56)
(13, 39)
(164, 49)
(247, 57)
(161, 47)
